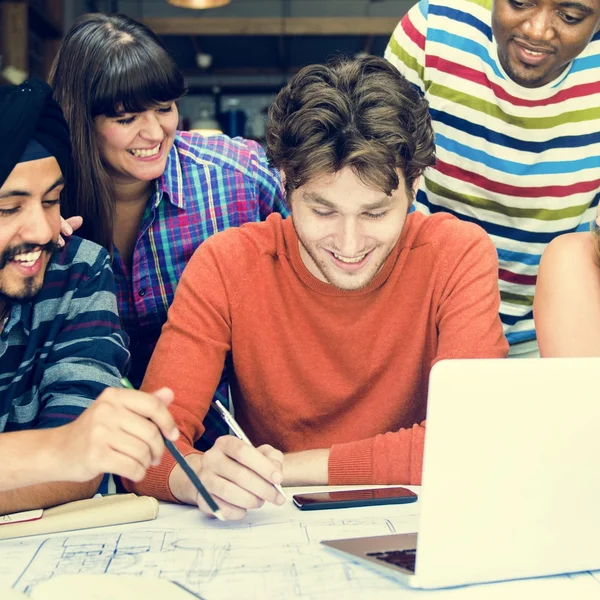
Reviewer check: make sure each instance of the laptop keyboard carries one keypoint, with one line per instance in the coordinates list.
(405, 559)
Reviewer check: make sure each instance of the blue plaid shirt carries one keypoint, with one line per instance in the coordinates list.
(209, 184)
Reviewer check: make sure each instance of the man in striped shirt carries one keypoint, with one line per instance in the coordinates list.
(514, 95)
(61, 344)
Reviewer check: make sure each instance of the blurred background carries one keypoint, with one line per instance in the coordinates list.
(235, 54)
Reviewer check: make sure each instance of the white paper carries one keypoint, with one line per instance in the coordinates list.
(274, 554)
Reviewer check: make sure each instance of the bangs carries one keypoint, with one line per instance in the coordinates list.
(137, 79)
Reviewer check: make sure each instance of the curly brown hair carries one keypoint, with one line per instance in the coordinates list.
(351, 112)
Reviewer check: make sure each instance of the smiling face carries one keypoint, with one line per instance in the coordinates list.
(345, 229)
(29, 226)
(537, 39)
(136, 146)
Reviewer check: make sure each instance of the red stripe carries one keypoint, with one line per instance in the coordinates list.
(511, 277)
(555, 191)
(413, 33)
(446, 66)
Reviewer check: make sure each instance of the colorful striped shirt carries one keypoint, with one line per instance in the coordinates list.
(59, 351)
(523, 163)
(209, 184)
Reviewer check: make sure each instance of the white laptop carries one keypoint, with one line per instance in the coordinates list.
(511, 476)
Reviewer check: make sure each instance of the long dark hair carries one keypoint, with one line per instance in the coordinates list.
(106, 65)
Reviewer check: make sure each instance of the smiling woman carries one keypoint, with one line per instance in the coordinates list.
(147, 192)
(99, 82)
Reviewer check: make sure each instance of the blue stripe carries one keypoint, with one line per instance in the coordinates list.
(512, 320)
(585, 63)
(554, 168)
(462, 17)
(518, 257)
(520, 336)
(465, 45)
(507, 141)
(534, 237)
(585, 226)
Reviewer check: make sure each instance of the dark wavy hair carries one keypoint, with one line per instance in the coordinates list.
(351, 112)
(106, 65)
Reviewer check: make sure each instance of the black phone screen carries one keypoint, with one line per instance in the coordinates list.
(349, 498)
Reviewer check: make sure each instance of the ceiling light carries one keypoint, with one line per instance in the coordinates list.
(198, 3)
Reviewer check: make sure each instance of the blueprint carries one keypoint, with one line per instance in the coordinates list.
(274, 554)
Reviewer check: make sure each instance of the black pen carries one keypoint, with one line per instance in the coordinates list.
(172, 448)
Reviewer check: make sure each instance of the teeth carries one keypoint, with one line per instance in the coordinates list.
(145, 153)
(349, 260)
(533, 53)
(29, 259)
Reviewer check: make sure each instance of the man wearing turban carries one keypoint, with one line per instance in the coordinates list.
(64, 418)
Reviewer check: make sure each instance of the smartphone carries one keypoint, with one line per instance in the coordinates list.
(349, 498)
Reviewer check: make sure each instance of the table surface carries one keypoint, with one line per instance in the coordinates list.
(275, 553)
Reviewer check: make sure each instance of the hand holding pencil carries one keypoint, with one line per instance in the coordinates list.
(187, 469)
(119, 433)
(230, 478)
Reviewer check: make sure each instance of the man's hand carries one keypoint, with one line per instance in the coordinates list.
(67, 227)
(238, 476)
(119, 433)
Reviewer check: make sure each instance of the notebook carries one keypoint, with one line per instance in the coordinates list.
(510, 487)
(83, 514)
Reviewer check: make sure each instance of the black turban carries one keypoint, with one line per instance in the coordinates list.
(28, 112)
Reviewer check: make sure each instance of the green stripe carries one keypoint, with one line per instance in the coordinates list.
(487, 4)
(529, 122)
(511, 298)
(541, 214)
(410, 61)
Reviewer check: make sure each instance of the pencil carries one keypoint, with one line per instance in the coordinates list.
(172, 448)
(238, 432)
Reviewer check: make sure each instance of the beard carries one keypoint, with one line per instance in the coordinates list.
(350, 282)
(31, 286)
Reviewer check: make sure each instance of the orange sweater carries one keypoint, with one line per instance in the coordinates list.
(319, 367)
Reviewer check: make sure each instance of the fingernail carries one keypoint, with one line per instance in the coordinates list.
(280, 499)
(174, 434)
(68, 229)
(60, 242)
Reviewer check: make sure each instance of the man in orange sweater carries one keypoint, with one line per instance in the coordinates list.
(332, 319)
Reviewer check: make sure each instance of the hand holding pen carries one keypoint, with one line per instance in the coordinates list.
(241, 476)
(239, 433)
(187, 469)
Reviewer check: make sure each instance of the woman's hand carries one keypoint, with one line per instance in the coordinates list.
(67, 227)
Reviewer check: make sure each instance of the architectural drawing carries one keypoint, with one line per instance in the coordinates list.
(275, 560)
(274, 554)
